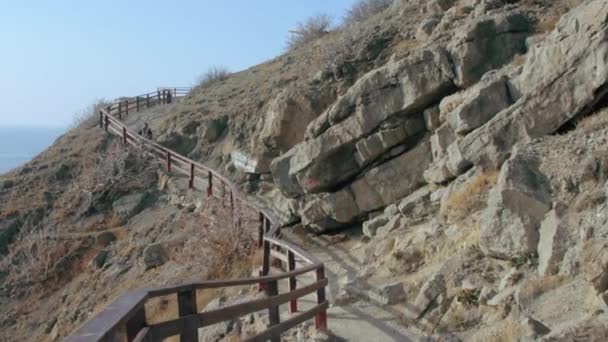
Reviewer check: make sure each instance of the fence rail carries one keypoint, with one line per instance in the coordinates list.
(125, 317)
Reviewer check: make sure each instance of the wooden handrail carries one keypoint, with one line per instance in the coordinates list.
(127, 313)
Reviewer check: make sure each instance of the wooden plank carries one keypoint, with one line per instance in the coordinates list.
(288, 324)
(186, 301)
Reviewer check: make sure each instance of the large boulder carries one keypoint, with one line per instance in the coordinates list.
(516, 206)
(554, 240)
(404, 87)
(289, 114)
(487, 43)
(563, 76)
(154, 255)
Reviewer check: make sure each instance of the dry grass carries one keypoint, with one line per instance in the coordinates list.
(310, 30)
(364, 9)
(471, 197)
(593, 122)
(502, 331)
(534, 287)
(88, 117)
(213, 75)
(519, 60)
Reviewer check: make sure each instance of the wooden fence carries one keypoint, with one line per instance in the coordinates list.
(125, 318)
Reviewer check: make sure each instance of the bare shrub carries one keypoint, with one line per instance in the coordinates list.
(213, 75)
(37, 254)
(364, 9)
(88, 117)
(312, 29)
(227, 248)
(471, 197)
(547, 24)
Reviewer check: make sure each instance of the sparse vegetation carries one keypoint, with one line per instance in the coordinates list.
(530, 259)
(547, 24)
(213, 75)
(88, 116)
(312, 29)
(471, 197)
(363, 9)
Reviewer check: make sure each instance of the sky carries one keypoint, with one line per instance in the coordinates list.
(59, 56)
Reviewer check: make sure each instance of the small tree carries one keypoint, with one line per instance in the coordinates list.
(312, 29)
(213, 75)
(363, 9)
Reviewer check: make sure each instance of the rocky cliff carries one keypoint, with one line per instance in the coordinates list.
(460, 144)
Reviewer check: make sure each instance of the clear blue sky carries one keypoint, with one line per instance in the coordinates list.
(58, 56)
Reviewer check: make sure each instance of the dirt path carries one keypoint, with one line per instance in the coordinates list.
(362, 320)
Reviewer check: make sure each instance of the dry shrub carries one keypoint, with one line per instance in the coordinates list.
(312, 29)
(88, 117)
(39, 254)
(342, 45)
(471, 197)
(364, 9)
(213, 75)
(224, 246)
(532, 288)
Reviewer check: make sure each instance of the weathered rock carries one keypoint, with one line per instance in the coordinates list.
(480, 103)
(534, 329)
(289, 114)
(371, 226)
(405, 257)
(417, 204)
(488, 43)
(373, 146)
(393, 223)
(432, 289)
(392, 180)
(100, 259)
(154, 255)
(104, 239)
(438, 6)
(329, 211)
(431, 118)
(128, 206)
(389, 294)
(438, 172)
(562, 76)
(426, 28)
(516, 207)
(6, 184)
(440, 141)
(402, 87)
(211, 130)
(554, 240)
(220, 331)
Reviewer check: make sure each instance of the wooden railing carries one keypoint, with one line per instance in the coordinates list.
(125, 318)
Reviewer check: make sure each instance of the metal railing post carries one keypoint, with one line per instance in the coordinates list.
(274, 318)
(168, 161)
(136, 323)
(191, 182)
(124, 135)
(100, 119)
(210, 185)
(120, 110)
(261, 230)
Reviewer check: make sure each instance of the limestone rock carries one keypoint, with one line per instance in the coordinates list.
(516, 207)
(488, 43)
(257, 163)
(404, 87)
(480, 103)
(154, 255)
(431, 118)
(128, 206)
(104, 239)
(440, 141)
(329, 211)
(432, 289)
(100, 259)
(371, 226)
(212, 129)
(554, 240)
(393, 224)
(417, 204)
(426, 28)
(389, 294)
(534, 328)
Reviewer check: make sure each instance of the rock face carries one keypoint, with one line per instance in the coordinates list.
(488, 43)
(554, 240)
(154, 255)
(328, 158)
(128, 206)
(516, 206)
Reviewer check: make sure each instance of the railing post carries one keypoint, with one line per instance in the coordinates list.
(124, 135)
(291, 266)
(168, 161)
(261, 230)
(159, 97)
(223, 194)
(274, 317)
(137, 103)
(321, 318)
(266, 259)
(191, 182)
(119, 110)
(231, 202)
(210, 185)
(127, 108)
(107, 122)
(147, 100)
(100, 119)
(186, 301)
(136, 323)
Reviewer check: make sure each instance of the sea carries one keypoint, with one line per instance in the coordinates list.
(18, 145)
